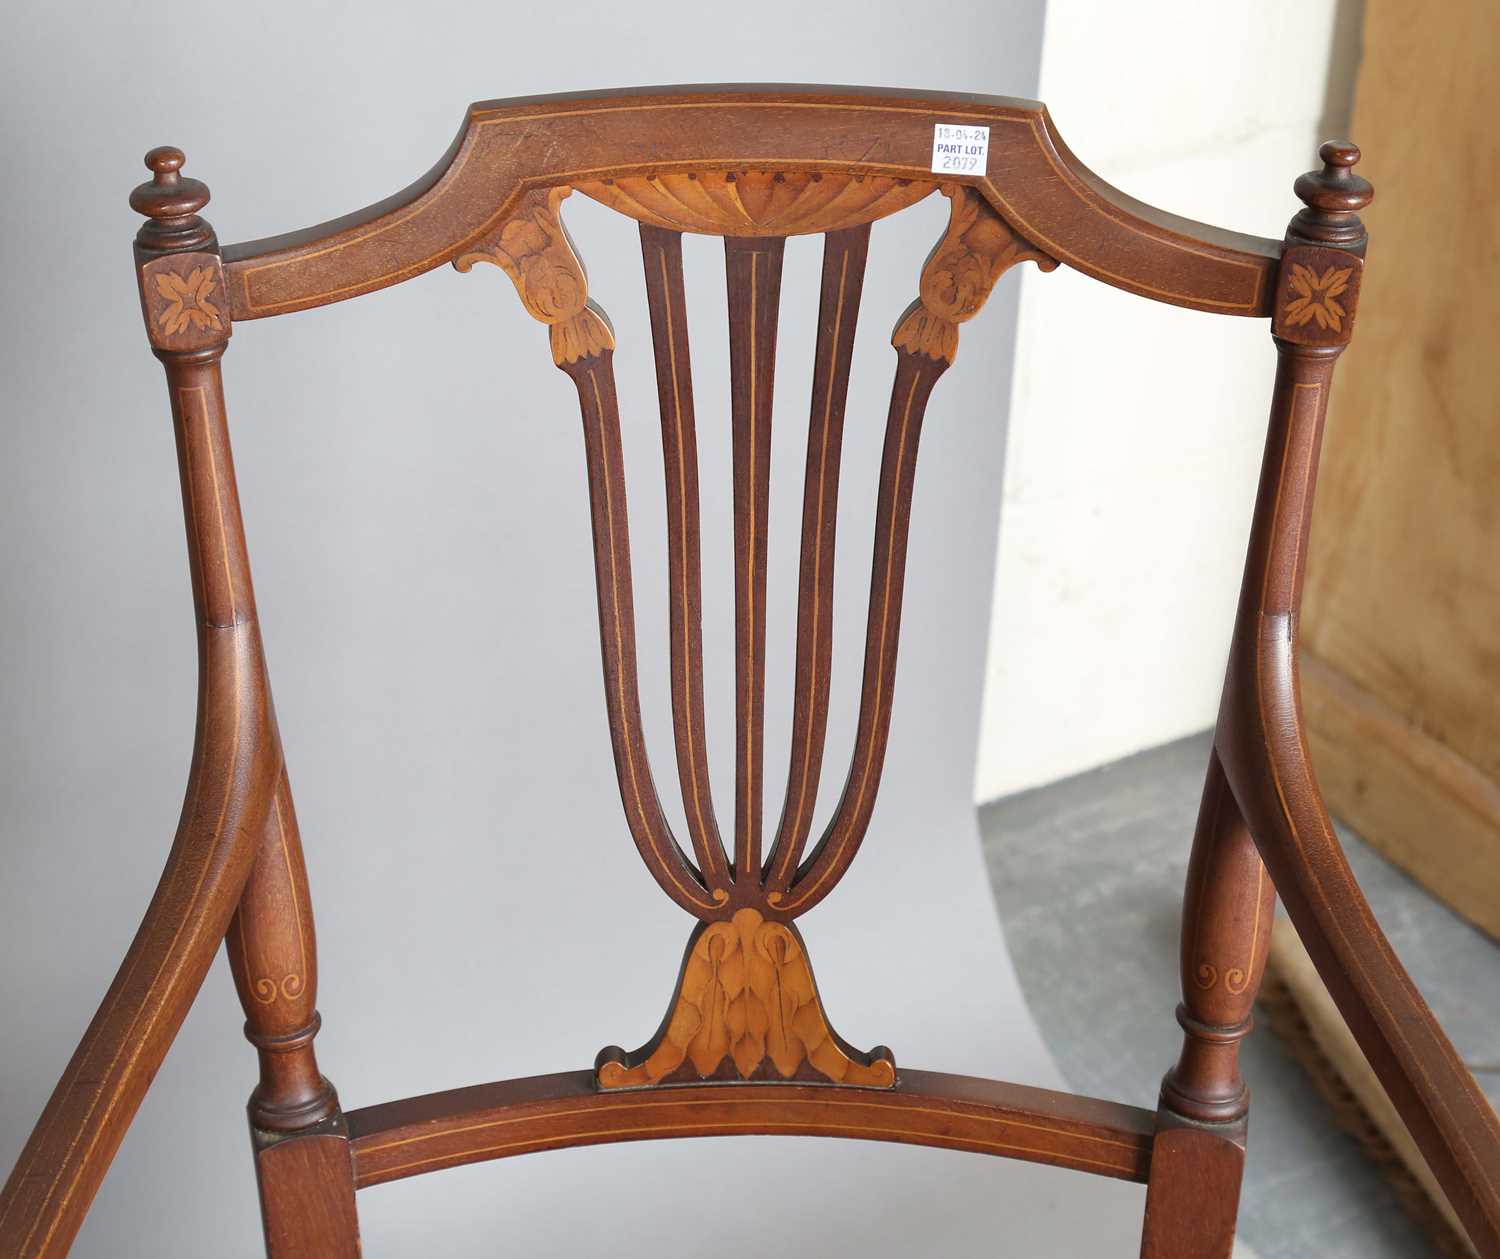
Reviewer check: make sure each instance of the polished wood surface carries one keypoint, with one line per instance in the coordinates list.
(503, 150)
(756, 202)
(746, 1008)
(488, 1121)
(1263, 747)
(746, 1045)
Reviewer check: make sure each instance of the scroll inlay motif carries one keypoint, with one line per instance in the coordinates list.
(977, 249)
(533, 247)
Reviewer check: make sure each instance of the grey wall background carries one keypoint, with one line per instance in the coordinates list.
(402, 459)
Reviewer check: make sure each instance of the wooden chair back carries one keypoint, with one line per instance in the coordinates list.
(746, 1045)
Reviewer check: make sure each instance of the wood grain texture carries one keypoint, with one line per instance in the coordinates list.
(757, 202)
(422, 1134)
(844, 256)
(746, 1008)
(1226, 930)
(273, 957)
(307, 1196)
(1192, 1197)
(661, 253)
(658, 848)
(915, 376)
(753, 275)
(1433, 811)
(1403, 591)
(235, 766)
(1262, 746)
(506, 148)
(1297, 1007)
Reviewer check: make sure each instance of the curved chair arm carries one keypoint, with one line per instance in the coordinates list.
(1272, 776)
(236, 753)
(236, 762)
(1262, 745)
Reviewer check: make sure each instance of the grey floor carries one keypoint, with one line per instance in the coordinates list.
(1088, 878)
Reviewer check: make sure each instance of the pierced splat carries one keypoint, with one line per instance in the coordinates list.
(746, 1005)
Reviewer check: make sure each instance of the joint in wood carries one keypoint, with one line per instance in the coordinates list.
(332, 1125)
(292, 1096)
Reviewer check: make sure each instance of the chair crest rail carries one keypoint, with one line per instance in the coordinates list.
(505, 149)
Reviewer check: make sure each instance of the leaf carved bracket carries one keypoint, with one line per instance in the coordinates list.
(977, 249)
(534, 249)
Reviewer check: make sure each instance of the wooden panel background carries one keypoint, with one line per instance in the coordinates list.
(1402, 612)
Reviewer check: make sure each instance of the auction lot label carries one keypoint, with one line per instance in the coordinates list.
(960, 150)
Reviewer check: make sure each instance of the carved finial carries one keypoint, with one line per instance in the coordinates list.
(177, 259)
(170, 203)
(1323, 261)
(1334, 196)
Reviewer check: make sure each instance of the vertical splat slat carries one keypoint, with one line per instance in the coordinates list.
(753, 268)
(844, 255)
(976, 250)
(661, 251)
(595, 378)
(916, 373)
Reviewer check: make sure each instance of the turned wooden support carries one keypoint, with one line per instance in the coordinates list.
(294, 1114)
(273, 956)
(1260, 738)
(1192, 1197)
(271, 946)
(1226, 933)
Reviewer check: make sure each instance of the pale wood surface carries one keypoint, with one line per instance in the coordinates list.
(1291, 966)
(1426, 807)
(1403, 587)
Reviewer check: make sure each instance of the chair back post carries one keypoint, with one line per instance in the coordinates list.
(236, 753)
(1260, 737)
(297, 1130)
(1230, 899)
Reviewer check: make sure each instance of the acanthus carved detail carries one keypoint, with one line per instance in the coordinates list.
(977, 249)
(747, 1009)
(532, 247)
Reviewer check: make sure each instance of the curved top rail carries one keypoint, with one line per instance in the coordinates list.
(507, 147)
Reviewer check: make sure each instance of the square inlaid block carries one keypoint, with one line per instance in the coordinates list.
(183, 301)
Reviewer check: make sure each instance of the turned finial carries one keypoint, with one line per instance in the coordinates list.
(170, 203)
(1334, 196)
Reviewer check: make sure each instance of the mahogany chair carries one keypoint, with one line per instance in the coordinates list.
(746, 1045)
